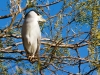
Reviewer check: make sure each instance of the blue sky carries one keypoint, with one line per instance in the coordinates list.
(54, 9)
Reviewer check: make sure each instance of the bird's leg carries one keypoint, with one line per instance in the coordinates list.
(30, 58)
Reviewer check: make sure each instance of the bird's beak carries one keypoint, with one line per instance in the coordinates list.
(41, 19)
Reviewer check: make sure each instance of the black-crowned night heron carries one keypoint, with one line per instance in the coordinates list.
(31, 34)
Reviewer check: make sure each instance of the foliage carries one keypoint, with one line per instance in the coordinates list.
(70, 43)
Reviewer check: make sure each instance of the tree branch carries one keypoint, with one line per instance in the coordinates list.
(10, 15)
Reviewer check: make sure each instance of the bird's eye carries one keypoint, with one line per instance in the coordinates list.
(38, 14)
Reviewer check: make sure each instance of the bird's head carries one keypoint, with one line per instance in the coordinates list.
(36, 16)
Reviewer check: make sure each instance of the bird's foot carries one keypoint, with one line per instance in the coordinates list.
(30, 58)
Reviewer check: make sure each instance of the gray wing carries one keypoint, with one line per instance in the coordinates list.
(38, 45)
(23, 40)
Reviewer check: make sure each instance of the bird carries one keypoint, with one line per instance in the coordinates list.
(31, 33)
